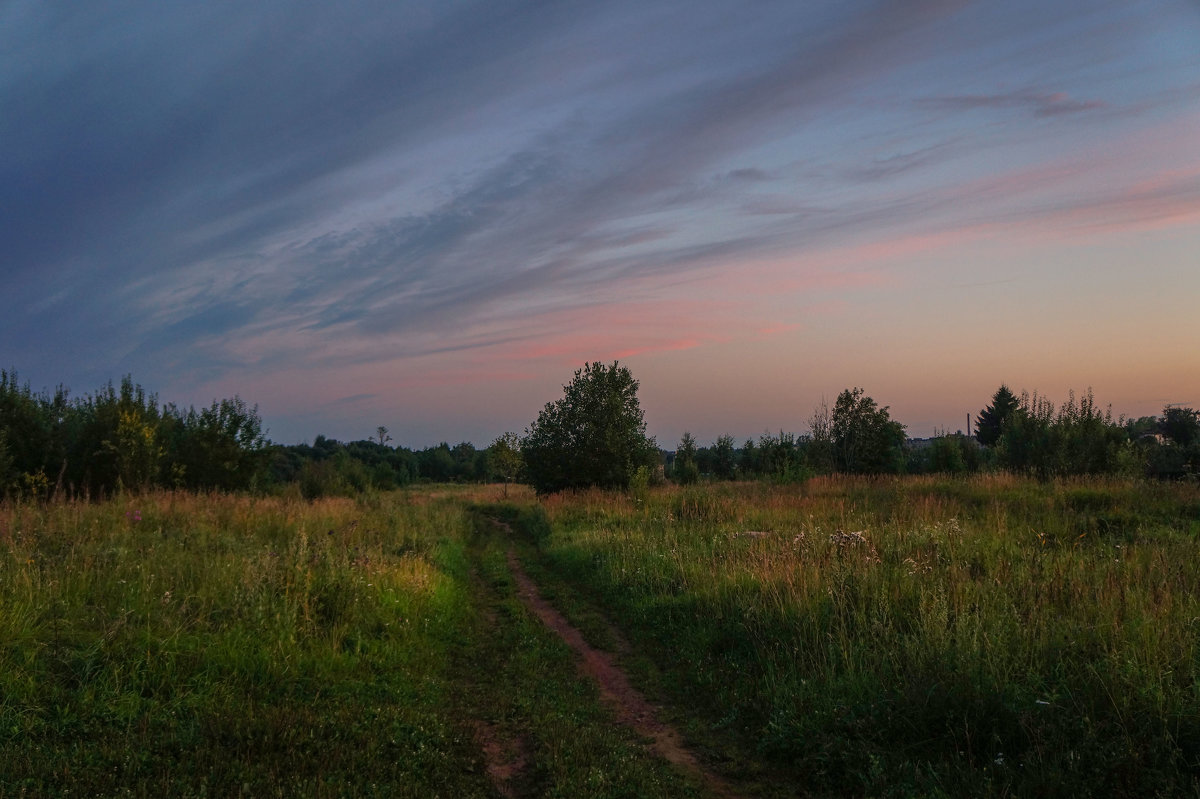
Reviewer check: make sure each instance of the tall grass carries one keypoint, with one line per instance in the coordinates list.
(181, 644)
(919, 635)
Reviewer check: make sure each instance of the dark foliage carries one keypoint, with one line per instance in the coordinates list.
(1077, 439)
(990, 422)
(121, 438)
(595, 435)
(865, 439)
(685, 466)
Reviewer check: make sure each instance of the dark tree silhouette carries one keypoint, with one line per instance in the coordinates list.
(594, 436)
(865, 439)
(990, 422)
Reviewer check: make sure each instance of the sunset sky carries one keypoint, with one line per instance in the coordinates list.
(428, 215)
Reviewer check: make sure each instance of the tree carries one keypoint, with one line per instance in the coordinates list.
(750, 463)
(1181, 425)
(724, 458)
(7, 473)
(381, 435)
(685, 468)
(222, 446)
(504, 456)
(1076, 439)
(990, 422)
(865, 439)
(594, 436)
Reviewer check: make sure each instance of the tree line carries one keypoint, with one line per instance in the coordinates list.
(121, 437)
(595, 435)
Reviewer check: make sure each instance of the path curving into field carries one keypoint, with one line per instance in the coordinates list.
(629, 704)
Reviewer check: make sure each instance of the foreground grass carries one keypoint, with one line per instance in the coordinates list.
(910, 637)
(889, 637)
(180, 645)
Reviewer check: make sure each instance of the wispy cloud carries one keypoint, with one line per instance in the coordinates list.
(235, 190)
(1037, 103)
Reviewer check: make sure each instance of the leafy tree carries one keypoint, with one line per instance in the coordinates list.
(28, 425)
(8, 474)
(222, 446)
(504, 457)
(1026, 442)
(865, 439)
(436, 464)
(469, 464)
(781, 457)
(1142, 426)
(990, 422)
(119, 437)
(951, 454)
(381, 435)
(1076, 439)
(686, 469)
(724, 458)
(750, 462)
(1181, 425)
(1178, 454)
(595, 435)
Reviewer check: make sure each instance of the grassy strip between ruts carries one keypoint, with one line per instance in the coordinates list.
(908, 637)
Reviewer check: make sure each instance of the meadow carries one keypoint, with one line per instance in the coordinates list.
(910, 636)
(915, 636)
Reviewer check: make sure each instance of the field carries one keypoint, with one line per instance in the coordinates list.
(906, 637)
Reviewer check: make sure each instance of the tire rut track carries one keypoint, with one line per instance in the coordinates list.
(629, 704)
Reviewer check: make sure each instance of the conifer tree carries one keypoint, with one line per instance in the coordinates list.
(990, 422)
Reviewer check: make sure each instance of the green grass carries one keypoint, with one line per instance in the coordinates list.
(174, 644)
(180, 645)
(891, 637)
(912, 636)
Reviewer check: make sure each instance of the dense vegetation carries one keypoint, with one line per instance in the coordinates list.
(910, 636)
(187, 645)
(1026, 435)
(121, 437)
(190, 609)
(850, 636)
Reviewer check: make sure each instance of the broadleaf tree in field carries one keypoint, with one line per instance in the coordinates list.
(504, 456)
(865, 438)
(1181, 425)
(686, 469)
(724, 458)
(595, 435)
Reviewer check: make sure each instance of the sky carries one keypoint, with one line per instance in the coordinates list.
(429, 215)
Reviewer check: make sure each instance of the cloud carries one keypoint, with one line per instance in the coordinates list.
(1037, 103)
(234, 189)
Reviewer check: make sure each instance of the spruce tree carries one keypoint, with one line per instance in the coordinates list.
(990, 422)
